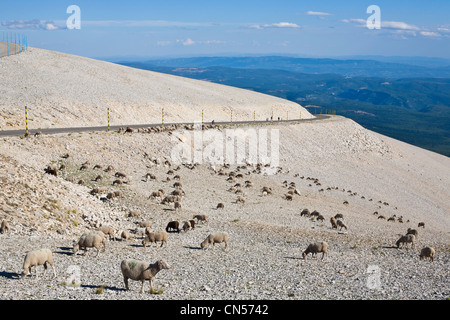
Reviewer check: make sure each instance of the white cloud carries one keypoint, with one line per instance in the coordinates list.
(398, 25)
(146, 23)
(51, 26)
(317, 13)
(188, 42)
(275, 25)
(163, 43)
(391, 25)
(430, 34)
(35, 24)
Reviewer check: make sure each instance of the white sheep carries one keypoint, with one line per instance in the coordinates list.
(201, 217)
(36, 258)
(107, 230)
(315, 248)
(215, 238)
(409, 238)
(155, 237)
(427, 252)
(125, 235)
(145, 224)
(93, 239)
(141, 271)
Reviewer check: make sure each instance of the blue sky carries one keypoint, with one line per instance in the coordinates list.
(196, 27)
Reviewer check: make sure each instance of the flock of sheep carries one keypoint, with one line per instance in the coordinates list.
(142, 271)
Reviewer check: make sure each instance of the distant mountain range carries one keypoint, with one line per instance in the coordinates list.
(432, 68)
(407, 102)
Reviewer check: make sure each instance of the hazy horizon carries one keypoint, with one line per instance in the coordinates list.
(178, 28)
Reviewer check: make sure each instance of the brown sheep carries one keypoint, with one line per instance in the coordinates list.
(333, 223)
(315, 213)
(341, 224)
(174, 225)
(421, 224)
(220, 206)
(315, 248)
(305, 212)
(186, 226)
(120, 175)
(427, 252)
(339, 216)
(4, 228)
(409, 238)
(177, 185)
(52, 170)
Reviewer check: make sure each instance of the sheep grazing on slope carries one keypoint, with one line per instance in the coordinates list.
(215, 238)
(192, 222)
(409, 238)
(107, 230)
(413, 231)
(339, 216)
(154, 237)
(52, 170)
(341, 224)
(305, 212)
(141, 271)
(220, 206)
(156, 194)
(240, 200)
(201, 217)
(93, 239)
(177, 205)
(4, 228)
(315, 213)
(315, 248)
(320, 218)
(145, 224)
(333, 222)
(125, 235)
(120, 175)
(186, 226)
(427, 252)
(134, 213)
(174, 225)
(36, 258)
(421, 224)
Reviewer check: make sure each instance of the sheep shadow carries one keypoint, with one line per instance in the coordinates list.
(10, 275)
(294, 258)
(192, 248)
(90, 286)
(65, 251)
(136, 245)
(389, 247)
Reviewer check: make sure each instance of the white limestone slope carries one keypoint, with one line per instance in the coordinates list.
(63, 90)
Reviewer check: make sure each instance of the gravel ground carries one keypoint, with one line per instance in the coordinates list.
(267, 234)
